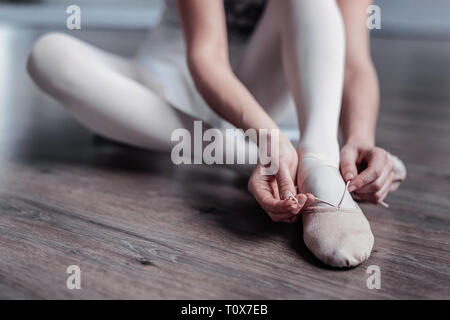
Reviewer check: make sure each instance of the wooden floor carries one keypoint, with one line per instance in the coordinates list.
(139, 227)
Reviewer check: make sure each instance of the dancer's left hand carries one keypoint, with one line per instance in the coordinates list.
(370, 171)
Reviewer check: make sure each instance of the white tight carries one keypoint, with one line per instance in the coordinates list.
(298, 46)
(107, 93)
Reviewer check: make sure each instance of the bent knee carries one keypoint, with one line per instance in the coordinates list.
(50, 61)
(49, 49)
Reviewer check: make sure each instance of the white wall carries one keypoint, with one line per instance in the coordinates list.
(121, 14)
(415, 17)
(398, 17)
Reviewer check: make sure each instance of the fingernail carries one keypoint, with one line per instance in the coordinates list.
(294, 207)
(351, 188)
(349, 176)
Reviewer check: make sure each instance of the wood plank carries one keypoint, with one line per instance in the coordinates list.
(139, 227)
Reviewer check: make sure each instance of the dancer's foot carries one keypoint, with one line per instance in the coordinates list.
(334, 228)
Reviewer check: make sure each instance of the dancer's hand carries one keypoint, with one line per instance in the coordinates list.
(266, 191)
(370, 171)
(272, 191)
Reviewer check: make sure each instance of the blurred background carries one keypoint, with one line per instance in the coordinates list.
(413, 32)
(399, 17)
(64, 194)
(120, 26)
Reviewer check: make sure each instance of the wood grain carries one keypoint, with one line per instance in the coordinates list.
(139, 227)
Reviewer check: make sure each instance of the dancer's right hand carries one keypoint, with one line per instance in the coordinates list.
(265, 190)
(272, 191)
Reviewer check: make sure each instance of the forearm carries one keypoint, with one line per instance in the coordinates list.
(204, 28)
(360, 96)
(360, 105)
(227, 96)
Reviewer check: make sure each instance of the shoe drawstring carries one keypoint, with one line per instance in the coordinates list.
(340, 202)
(384, 204)
(323, 161)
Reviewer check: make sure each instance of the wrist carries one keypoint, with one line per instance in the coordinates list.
(274, 135)
(360, 140)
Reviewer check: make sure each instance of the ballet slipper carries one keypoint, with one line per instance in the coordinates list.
(339, 237)
(399, 171)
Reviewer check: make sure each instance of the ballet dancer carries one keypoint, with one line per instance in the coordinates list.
(244, 64)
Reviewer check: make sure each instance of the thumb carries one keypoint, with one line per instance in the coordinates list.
(285, 183)
(349, 156)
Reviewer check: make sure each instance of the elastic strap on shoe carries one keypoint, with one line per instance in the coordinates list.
(320, 162)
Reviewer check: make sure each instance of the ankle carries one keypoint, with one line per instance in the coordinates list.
(330, 154)
(325, 183)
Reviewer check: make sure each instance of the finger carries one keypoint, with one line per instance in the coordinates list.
(379, 183)
(348, 163)
(375, 163)
(261, 191)
(276, 206)
(296, 203)
(382, 194)
(310, 200)
(377, 197)
(301, 198)
(285, 182)
(305, 200)
(294, 206)
(264, 189)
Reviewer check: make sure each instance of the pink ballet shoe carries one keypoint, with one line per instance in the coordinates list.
(339, 237)
(399, 171)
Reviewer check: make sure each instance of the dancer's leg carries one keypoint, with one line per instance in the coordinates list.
(313, 46)
(113, 96)
(313, 43)
(103, 92)
(312, 35)
(261, 68)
